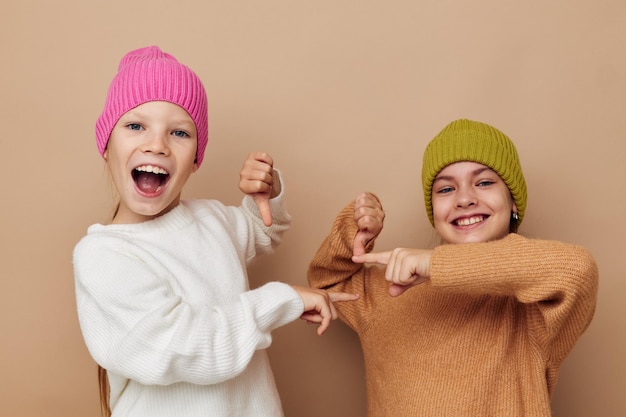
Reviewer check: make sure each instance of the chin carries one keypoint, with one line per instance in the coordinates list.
(464, 239)
(475, 237)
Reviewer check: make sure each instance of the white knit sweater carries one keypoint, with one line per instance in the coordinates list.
(165, 307)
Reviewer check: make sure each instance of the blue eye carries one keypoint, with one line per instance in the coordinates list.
(134, 126)
(444, 190)
(180, 134)
(485, 183)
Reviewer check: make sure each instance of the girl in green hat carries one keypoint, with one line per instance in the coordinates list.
(479, 325)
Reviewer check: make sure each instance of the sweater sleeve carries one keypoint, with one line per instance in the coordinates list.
(557, 283)
(332, 269)
(135, 325)
(265, 239)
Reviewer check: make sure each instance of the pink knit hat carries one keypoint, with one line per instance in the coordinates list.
(149, 74)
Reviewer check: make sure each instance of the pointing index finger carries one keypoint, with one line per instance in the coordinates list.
(381, 258)
(342, 296)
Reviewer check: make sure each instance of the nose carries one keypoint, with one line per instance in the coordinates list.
(157, 143)
(466, 197)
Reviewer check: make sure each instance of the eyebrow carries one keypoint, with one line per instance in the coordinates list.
(475, 172)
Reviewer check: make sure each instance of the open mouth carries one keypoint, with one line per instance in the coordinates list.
(468, 221)
(150, 179)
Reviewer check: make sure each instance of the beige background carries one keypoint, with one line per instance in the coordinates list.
(344, 94)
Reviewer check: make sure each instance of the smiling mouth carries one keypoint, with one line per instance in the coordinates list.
(150, 179)
(468, 221)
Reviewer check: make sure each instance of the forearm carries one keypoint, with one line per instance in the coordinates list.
(332, 264)
(556, 282)
(532, 270)
(176, 341)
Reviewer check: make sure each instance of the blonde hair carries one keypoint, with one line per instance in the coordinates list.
(105, 392)
(103, 377)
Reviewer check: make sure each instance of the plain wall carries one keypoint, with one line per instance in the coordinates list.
(344, 95)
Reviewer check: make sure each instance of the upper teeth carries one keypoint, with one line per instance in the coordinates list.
(469, 220)
(151, 168)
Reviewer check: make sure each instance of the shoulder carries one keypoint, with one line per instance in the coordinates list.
(100, 250)
(95, 242)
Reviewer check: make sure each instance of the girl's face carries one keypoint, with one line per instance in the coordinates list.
(471, 203)
(151, 154)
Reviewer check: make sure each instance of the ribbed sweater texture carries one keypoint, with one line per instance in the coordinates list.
(484, 337)
(166, 308)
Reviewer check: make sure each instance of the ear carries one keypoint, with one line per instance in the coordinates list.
(105, 154)
(514, 208)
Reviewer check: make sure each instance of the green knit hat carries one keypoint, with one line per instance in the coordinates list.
(466, 140)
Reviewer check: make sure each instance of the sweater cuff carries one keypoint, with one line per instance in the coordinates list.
(276, 304)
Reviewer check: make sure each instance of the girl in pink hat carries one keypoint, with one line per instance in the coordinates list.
(163, 299)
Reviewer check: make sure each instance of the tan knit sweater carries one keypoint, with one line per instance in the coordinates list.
(486, 335)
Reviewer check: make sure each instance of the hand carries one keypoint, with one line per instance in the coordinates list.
(369, 217)
(405, 267)
(257, 179)
(318, 305)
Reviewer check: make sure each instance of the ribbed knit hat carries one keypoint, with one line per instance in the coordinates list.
(466, 140)
(149, 74)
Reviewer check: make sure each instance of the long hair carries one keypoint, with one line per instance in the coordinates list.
(105, 391)
(103, 378)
